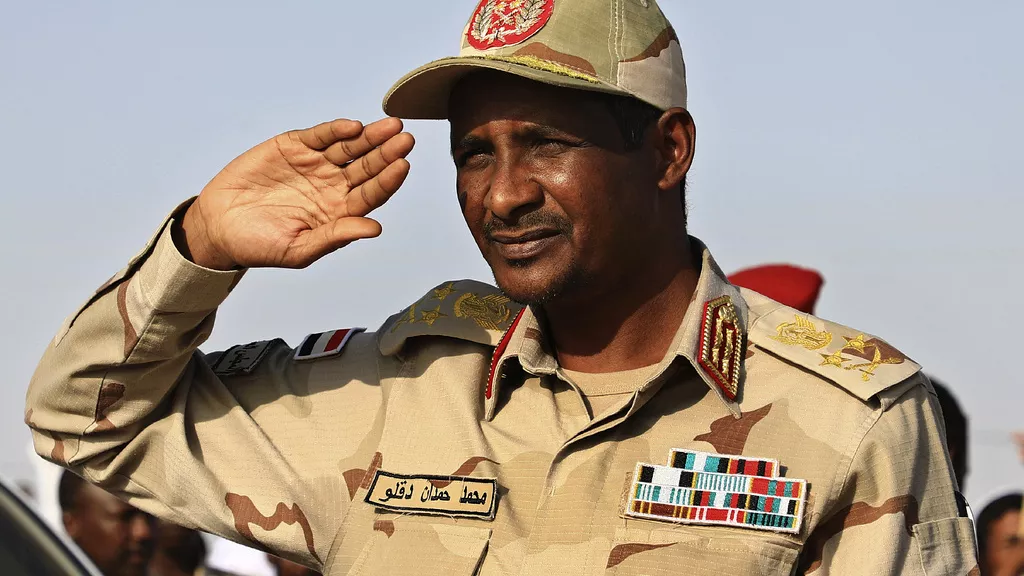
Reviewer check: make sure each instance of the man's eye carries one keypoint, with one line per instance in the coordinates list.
(551, 145)
(467, 157)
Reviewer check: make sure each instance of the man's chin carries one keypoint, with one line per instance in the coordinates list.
(531, 285)
(136, 562)
(525, 296)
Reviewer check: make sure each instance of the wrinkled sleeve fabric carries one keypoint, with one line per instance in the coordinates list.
(896, 511)
(123, 397)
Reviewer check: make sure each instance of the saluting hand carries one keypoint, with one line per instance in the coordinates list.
(298, 196)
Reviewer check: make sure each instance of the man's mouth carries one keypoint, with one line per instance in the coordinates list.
(138, 555)
(520, 245)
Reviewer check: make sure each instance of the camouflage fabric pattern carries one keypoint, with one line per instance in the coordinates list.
(281, 457)
(624, 47)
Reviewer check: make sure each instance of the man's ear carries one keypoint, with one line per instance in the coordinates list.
(676, 138)
(71, 524)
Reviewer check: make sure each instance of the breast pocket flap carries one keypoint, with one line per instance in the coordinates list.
(400, 547)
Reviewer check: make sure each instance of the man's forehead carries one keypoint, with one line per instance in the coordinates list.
(103, 500)
(486, 97)
(489, 86)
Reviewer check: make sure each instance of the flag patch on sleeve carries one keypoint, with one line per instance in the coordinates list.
(716, 489)
(325, 344)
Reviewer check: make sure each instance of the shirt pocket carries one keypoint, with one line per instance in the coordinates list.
(947, 547)
(698, 553)
(404, 546)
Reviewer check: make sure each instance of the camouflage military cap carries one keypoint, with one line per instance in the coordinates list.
(624, 47)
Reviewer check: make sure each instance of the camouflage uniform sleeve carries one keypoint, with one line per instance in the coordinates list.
(123, 398)
(896, 511)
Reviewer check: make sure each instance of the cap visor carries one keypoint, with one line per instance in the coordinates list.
(423, 93)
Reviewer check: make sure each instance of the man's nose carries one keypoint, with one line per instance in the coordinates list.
(142, 527)
(513, 189)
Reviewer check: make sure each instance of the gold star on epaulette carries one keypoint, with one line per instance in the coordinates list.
(430, 316)
(857, 343)
(834, 359)
(441, 294)
(408, 318)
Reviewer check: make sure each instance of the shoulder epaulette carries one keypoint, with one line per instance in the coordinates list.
(462, 309)
(860, 363)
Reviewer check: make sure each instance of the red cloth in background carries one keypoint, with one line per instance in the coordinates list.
(793, 286)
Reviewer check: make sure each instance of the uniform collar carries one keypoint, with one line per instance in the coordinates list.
(711, 337)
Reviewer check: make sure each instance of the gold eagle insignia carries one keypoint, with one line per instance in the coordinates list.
(489, 312)
(804, 333)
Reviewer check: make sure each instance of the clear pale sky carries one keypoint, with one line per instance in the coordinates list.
(877, 141)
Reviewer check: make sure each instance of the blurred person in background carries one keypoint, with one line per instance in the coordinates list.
(284, 567)
(956, 430)
(1000, 544)
(180, 551)
(116, 536)
(1019, 438)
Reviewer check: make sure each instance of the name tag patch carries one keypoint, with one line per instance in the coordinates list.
(716, 489)
(437, 495)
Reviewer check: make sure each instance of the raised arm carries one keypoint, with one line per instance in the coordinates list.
(223, 442)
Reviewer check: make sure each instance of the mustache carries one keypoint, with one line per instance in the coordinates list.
(528, 221)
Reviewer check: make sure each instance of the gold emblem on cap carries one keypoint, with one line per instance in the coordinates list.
(498, 23)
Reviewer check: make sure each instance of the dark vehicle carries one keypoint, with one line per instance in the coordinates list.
(28, 547)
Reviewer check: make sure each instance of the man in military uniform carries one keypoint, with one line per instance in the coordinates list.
(1000, 544)
(116, 536)
(180, 551)
(617, 407)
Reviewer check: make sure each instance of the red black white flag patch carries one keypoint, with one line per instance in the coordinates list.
(325, 344)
